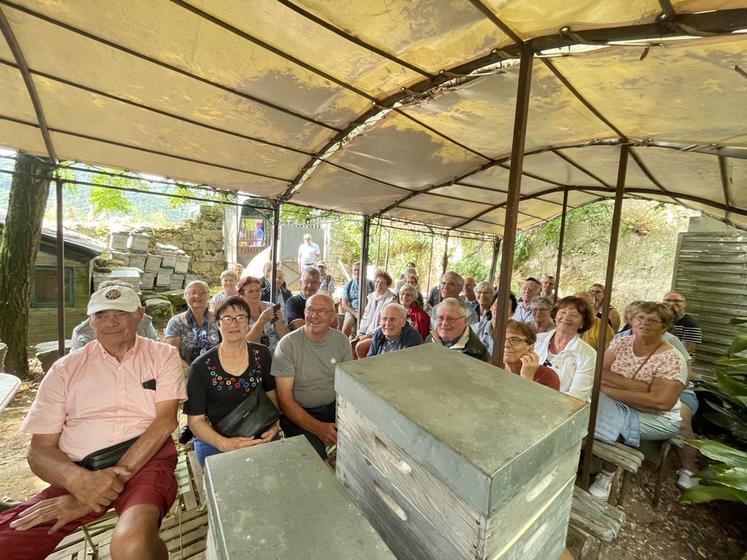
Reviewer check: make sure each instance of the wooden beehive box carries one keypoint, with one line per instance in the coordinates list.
(182, 263)
(453, 458)
(153, 263)
(138, 241)
(137, 260)
(279, 501)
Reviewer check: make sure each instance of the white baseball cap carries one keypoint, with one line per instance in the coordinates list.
(119, 298)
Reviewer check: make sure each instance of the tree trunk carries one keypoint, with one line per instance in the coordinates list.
(18, 248)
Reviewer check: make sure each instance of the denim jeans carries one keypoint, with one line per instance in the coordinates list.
(324, 413)
(203, 451)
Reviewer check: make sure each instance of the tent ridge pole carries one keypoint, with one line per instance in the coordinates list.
(15, 48)
(580, 167)
(353, 39)
(582, 99)
(28, 80)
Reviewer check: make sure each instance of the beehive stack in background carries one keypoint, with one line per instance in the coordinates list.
(161, 270)
(451, 458)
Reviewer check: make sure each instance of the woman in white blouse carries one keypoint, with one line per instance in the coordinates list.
(563, 350)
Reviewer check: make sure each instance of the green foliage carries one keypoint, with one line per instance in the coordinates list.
(727, 394)
(727, 399)
(726, 480)
(645, 254)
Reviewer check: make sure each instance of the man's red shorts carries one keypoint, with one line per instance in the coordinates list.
(154, 484)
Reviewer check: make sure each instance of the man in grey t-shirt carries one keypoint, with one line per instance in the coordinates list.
(304, 370)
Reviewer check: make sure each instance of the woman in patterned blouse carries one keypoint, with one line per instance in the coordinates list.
(220, 379)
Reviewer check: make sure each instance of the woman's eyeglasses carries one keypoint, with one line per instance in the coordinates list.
(515, 340)
(227, 319)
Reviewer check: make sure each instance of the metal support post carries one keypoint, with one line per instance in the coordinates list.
(274, 249)
(362, 281)
(611, 257)
(561, 240)
(60, 269)
(512, 200)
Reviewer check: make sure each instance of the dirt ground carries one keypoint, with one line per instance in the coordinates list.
(715, 531)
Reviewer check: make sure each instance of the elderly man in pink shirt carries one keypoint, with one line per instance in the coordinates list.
(101, 429)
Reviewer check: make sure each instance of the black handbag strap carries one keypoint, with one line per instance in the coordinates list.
(245, 407)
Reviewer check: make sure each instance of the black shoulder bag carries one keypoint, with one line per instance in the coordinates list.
(252, 417)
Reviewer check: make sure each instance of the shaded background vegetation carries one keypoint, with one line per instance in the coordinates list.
(645, 260)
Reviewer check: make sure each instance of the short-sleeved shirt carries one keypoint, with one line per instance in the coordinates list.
(350, 292)
(666, 365)
(191, 336)
(94, 401)
(312, 364)
(523, 314)
(328, 284)
(687, 329)
(294, 308)
(307, 253)
(213, 392)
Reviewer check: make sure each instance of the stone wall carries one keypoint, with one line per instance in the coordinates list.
(202, 239)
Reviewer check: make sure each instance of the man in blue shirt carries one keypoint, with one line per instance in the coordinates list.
(349, 300)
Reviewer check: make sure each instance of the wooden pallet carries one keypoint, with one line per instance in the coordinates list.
(184, 529)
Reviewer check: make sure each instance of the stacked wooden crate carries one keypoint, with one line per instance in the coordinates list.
(452, 458)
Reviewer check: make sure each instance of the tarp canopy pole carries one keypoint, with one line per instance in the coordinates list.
(274, 250)
(561, 240)
(611, 257)
(512, 200)
(363, 283)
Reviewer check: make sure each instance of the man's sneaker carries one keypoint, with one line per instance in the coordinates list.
(686, 479)
(602, 485)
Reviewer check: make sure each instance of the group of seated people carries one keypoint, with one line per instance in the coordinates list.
(118, 394)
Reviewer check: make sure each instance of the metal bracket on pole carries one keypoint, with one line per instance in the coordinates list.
(611, 257)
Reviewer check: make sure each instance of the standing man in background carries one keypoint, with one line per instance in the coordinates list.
(308, 254)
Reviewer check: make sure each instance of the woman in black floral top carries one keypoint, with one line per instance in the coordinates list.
(220, 379)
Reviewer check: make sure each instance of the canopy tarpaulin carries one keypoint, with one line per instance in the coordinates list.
(402, 108)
